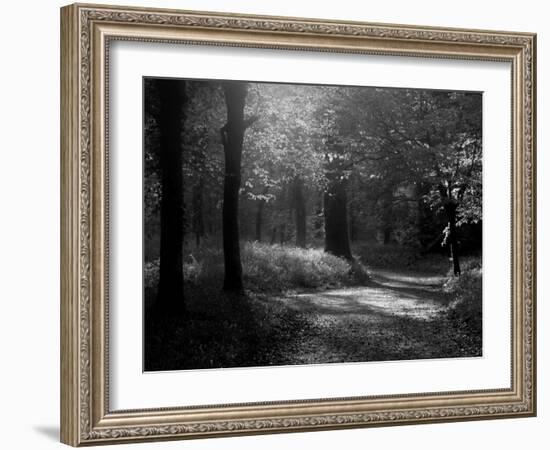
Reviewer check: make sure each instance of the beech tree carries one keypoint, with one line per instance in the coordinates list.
(309, 166)
(431, 139)
(232, 135)
(335, 198)
(281, 161)
(172, 98)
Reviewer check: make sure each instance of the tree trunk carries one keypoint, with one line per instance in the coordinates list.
(387, 216)
(282, 234)
(352, 224)
(198, 217)
(210, 212)
(387, 235)
(259, 215)
(319, 217)
(300, 212)
(170, 121)
(336, 220)
(232, 134)
(273, 235)
(450, 209)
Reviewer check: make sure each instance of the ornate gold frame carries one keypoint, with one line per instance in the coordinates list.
(86, 31)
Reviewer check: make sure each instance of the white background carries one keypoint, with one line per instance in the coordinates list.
(29, 229)
(131, 389)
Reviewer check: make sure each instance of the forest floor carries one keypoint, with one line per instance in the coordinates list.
(394, 317)
(398, 314)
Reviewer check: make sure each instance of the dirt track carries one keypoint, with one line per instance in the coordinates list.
(391, 318)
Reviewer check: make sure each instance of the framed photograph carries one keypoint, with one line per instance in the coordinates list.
(274, 224)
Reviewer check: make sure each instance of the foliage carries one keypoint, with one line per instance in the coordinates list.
(403, 153)
(400, 169)
(465, 308)
(267, 268)
(261, 329)
(279, 266)
(420, 147)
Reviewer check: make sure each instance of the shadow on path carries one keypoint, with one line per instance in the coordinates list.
(402, 294)
(395, 317)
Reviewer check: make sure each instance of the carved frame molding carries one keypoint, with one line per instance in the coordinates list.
(86, 31)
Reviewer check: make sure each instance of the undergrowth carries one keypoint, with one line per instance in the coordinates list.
(466, 304)
(268, 268)
(393, 256)
(220, 330)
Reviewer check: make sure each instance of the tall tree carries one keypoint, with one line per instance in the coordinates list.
(198, 206)
(299, 203)
(450, 205)
(431, 138)
(203, 163)
(451, 137)
(337, 171)
(259, 213)
(172, 98)
(336, 217)
(281, 155)
(232, 135)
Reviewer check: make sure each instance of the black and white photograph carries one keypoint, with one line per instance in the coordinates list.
(293, 224)
(267, 225)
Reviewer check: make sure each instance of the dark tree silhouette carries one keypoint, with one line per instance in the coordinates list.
(259, 214)
(170, 123)
(198, 218)
(335, 203)
(336, 220)
(232, 135)
(450, 205)
(300, 211)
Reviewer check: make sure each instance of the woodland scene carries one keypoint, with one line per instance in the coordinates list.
(294, 224)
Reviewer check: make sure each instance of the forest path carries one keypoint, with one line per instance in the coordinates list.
(387, 319)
